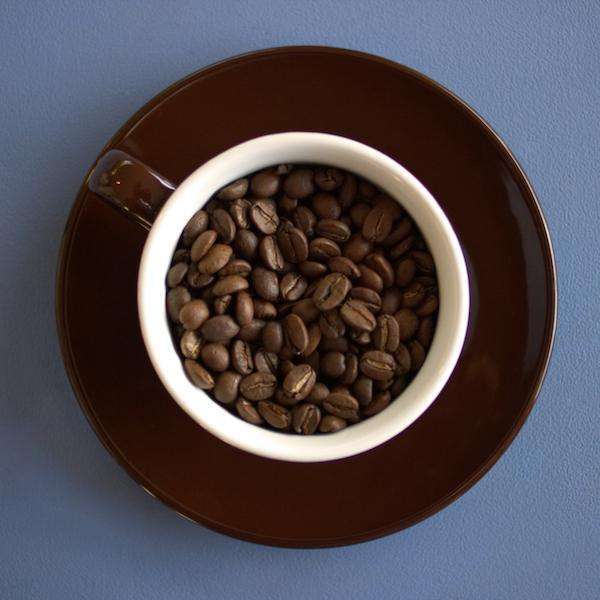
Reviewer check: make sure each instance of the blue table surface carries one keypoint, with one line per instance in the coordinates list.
(72, 524)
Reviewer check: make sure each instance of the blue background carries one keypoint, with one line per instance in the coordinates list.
(72, 524)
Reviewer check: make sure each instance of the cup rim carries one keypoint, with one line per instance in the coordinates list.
(393, 178)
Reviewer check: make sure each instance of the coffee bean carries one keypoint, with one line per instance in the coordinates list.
(369, 279)
(341, 264)
(403, 247)
(265, 283)
(359, 212)
(358, 316)
(276, 416)
(247, 412)
(190, 345)
(204, 242)
(341, 405)
(264, 309)
(299, 382)
(195, 226)
(377, 225)
(401, 230)
(390, 301)
(366, 189)
(413, 295)
(285, 367)
(363, 390)
(398, 386)
(331, 324)
(417, 355)
(299, 183)
(333, 229)
(333, 364)
(176, 299)
(293, 244)
(361, 338)
(312, 269)
(331, 291)
(198, 375)
(428, 306)
(423, 260)
(314, 338)
(408, 323)
(321, 249)
(347, 191)
(239, 211)
(234, 190)
(386, 335)
(319, 392)
(221, 304)
(377, 365)
(326, 206)
(269, 252)
(292, 286)
(241, 357)
(305, 220)
(246, 243)
(382, 267)
(329, 179)
(425, 332)
(197, 280)
(265, 184)
(193, 314)
(405, 271)
(357, 248)
(176, 274)
(383, 385)
(223, 224)
(264, 216)
(351, 372)
(306, 418)
(244, 308)
(339, 344)
(253, 331)
(216, 258)
(230, 285)
(307, 310)
(219, 329)
(258, 386)
(368, 296)
(287, 204)
(296, 333)
(429, 283)
(181, 255)
(215, 357)
(403, 360)
(379, 402)
(272, 336)
(266, 362)
(331, 424)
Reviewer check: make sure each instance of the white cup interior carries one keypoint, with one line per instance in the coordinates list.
(301, 147)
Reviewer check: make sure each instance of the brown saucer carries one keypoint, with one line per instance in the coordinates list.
(513, 294)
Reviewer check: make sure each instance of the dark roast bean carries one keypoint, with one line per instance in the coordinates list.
(377, 225)
(326, 206)
(252, 331)
(241, 357)
(398, 386)
(223, 224)
(319, 392)
(361, 338)
(269, 252)
(363, 390)
(193, 314)
(247, 412)
(328, 178)
(272, 336)
(299, 382)
(195, 226)
(321, 249)
(312, 269)
(417, 355)
(306, 418)
(428, 306)
(358, 316)
(347, 191)
(292, 286)
(176, 274)
(221, 304)
(341, 405)
(359, 212)
(341, 264)
(276, 416)
(388, 203)
(377, 365)
(369, 279)
(351, 372)
(258, 386)
(197, 280)
(429, 283)
(305, 220)
(424, 261)
(264, 184)
(383, 385)
(413, 295)
(333, 229)
(331, 424)
(240, 213)
(339, 344)
(234, 190)
(176, 299)
(246, 243)
(386, 335)
(216, 258)
(198, 375)
(215, 357)
(287, 204)
(230, 285)
(400, 231)
(408, 323)
(405, 271)
(181, 255)
(403, 247)
(226, 387)
(264, 216)
(299, 183)
(264, 309)
(296, 333)
(366, 189)
(266, 284)
(425, 332)
(333, 364)
(331, 291)
(379, 402)
(314, 360)
(357, 248)
(204, 242)
(190, 345)
(390, 301)
(370, 297)
(244, 308)
(266, 362)
(403, 360)
(382, 266)
(331, 324)
(285, 367)
(219, 329)
(293, 244)
(314, 338)
(307, 310)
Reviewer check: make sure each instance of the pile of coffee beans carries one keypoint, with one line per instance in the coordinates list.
(302, 298)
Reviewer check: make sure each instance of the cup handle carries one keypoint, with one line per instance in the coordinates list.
(129, 185)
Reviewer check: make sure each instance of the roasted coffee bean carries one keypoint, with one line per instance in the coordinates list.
(216, 258)
(319, 392)
(307, 310)
(176, 274)
(370, 297)
(398, 386)
(408, 323)
(197, 280)
(234, 190)
(296, 333)
(272, 336)
(403, 247)
(305, 220)
(339, 344)
(299, 382)
(377, 365)
(276, 416)
(363, 390)
(264, 216)
(312, 269)
(269, 252)
(425, 332)
(314, 361)
(264, 309)
(198, 375)
(369, 279)
(314, 338)
(193, 314)
(321, 249)
(331, 291)
(343, 405)
(215, 357)
(357, 315)
(306, 418)
(424, 261)
(223, 224)
(403, 360)
(246, 243)
(428, 306)
(357, 248)
(383, 385)
(382, 266)
(359, 212)
(377, 225)
(391, 300)
(333, 364)
(241, 357)
(405, 271)
(266, 362)
(293, 244)
(247, 412)
(386, 335)
(292, 286)
(328, 178)
(287, 204)
(401, 230)
(331, 324)
(258, 386)
(265, 283)
(176, 299)
(341, 264)
(239, 211)
(190, 345)
(221, 304)
(244, 308)
(285, 367)
(230, 285)
(326, 206)
(253, 331)
(366, 189)
(347, 191)
(204, 242)
(413, 295)
(219, 329)
(361, 338)
(379, 402)
(333, 229)
(417, 355)
(181, 255)
(331, 424)
(195, 226)
(351, 372)
(299, 183)
(264, 184)
(429, 283)
(388, 203)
